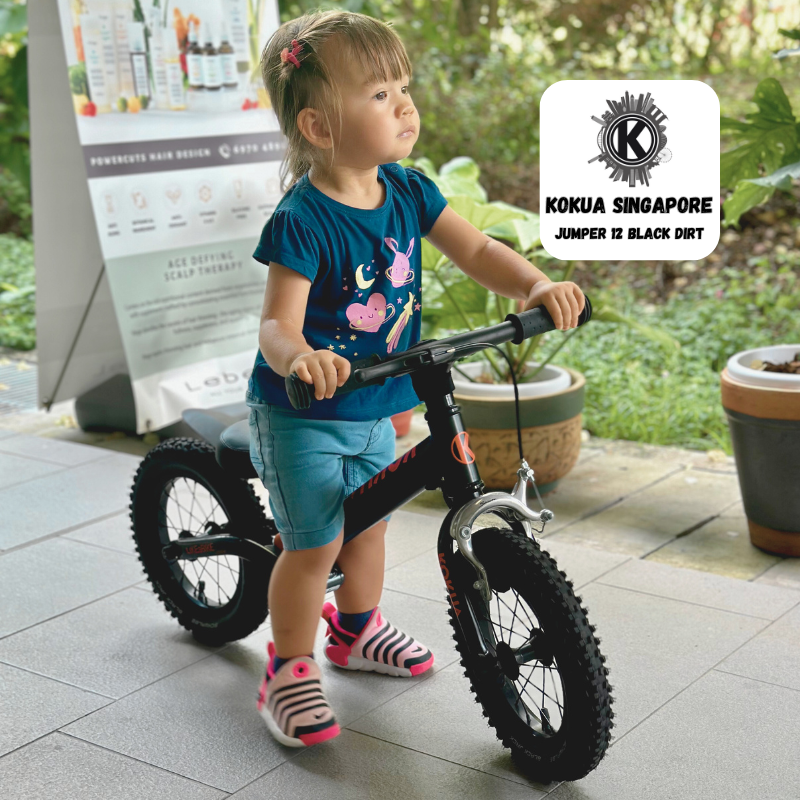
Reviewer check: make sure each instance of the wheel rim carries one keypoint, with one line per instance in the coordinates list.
(188, 507)
(531, 679)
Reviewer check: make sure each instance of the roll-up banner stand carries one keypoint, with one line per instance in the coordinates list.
(177, 155)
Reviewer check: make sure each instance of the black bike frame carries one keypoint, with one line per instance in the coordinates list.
(443, 460)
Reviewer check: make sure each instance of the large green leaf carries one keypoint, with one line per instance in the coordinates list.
(754, 191)
(483, 215)
(769, 135)
(522, 232)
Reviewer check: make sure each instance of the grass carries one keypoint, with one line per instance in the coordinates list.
(637, 390)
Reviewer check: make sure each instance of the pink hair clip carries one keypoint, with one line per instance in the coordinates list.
(291, 55)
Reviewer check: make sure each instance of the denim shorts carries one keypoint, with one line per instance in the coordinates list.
(309, 466)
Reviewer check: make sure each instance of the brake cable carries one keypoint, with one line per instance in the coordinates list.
(516, 401)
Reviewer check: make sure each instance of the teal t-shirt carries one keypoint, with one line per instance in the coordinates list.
(366, 292)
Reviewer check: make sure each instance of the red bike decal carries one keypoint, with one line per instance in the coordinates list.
(392, 467)
(460, 448)
(449, 584)
(199, 548)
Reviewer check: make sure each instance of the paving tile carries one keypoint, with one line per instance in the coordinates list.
(60, 767)
(419, 576)
(67, 454)
(113, 646)
(701, 588)
(65, 499)
(202, 722)
(600, 481)
(55, 576)
(723, 737)
(415, 720)
(656, 646)
(16, 469)
(408, 535)
(33, 706)
(785, 573)
(582, 564)
(113, 532)
(649, 518)
(721, 546)
(356, 767)
(772, 656)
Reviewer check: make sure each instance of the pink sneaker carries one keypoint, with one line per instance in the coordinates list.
(293, 705)
(380, 647)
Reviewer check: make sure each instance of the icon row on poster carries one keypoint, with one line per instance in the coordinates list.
(175, 197)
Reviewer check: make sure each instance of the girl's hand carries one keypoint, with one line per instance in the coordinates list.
(324, 368)
(563, 300)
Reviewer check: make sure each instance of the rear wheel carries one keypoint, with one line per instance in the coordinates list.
(180, 491)
(543, 684)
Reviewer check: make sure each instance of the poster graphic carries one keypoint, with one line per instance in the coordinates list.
(636, 198)
(182, 154)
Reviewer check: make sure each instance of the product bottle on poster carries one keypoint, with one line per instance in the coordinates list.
(123, 14)
(77, 9)
(235, 12)
(172, 59)
(157, 59)
(92, 38)
(228, 59)
(102, 10)
(212, 66)
(194, 59)
(139, 67)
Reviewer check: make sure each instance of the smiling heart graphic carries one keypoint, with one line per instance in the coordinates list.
(371, 316)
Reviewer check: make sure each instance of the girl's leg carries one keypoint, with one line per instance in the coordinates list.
(296, 594)
(362, 560)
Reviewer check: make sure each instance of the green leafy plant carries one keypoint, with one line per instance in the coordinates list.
(17, 294)
(454, 301)
(770, 139)
(14, 129)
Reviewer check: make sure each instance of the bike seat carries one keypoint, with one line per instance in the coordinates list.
(227, 430)
(233, 450)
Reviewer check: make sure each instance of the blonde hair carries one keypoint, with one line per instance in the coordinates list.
(371, 44)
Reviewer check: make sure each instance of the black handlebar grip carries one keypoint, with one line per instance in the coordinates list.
(299, 391)
(527, 323)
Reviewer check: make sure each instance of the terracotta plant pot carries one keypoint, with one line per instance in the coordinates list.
(551, 433)
(764, 422)
(402, 422)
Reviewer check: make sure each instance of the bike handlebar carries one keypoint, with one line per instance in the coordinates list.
(374, 370)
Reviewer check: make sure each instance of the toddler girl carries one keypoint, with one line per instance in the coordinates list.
(343, 249)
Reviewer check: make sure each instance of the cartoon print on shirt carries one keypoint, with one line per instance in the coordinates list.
(397, 329)
(400, 272)
(361, 283)
(371, 316)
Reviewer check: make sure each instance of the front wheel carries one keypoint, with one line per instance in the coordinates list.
(543, 682)
(181, 491)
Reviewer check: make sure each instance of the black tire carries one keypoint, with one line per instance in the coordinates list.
(182, 465)
(544, 750)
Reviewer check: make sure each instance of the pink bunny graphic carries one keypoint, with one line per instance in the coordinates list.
(400, 272)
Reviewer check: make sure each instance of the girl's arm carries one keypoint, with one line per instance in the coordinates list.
(280, 336)
(502, 270)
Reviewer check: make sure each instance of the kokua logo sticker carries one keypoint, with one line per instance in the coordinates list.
(636, 198)
(632, 139)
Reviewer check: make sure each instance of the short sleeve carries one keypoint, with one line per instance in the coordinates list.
(287, 240)
(430, 201)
